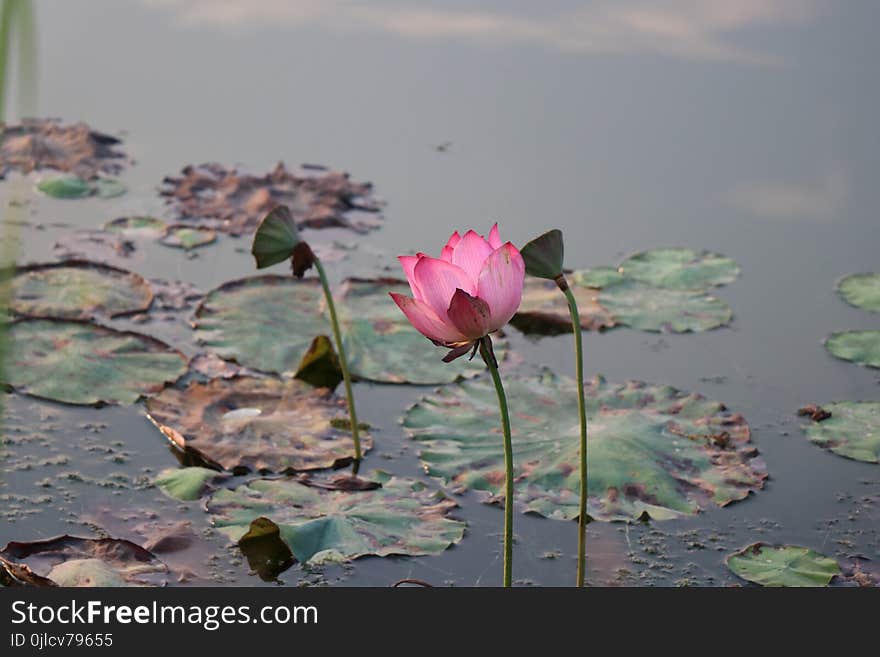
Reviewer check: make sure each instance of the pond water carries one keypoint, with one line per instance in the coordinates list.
(744, 128)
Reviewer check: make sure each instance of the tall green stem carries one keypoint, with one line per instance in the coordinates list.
(343, 362)
(582, 411)
(491, 363)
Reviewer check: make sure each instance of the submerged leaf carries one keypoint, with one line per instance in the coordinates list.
(261, 424)
(852, 429)
(782, 565)
(860, 347)
(642, 306)
(82, 363)
(680, 269)
(652, 449)
(403, 517)
(861, 291)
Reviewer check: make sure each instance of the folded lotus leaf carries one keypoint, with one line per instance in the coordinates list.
(403, 517)
(852, 430)
(782, 565)
(652, 449)
(263, 424)
(78, 289)
(82, 363)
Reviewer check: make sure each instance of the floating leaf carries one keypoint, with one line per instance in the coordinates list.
(108, 188)
(135, 226)
(186, 484)
(275, 237)
(544, 309)
(65, 187)
(82, 363)
(680, 269)
(852, 430)
(184, 237)
(73, 561)
(642, 306)
(78, 290)
(221, 198)
(403, 517)
(861, 291)
(782, 565)
(37, 144)
(652, 449)
(597, 277)
(861, 347)
(268, 322)
(262, 424)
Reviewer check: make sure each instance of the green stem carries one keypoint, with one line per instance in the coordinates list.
(343, 362)
(582, 412)
(491, 363)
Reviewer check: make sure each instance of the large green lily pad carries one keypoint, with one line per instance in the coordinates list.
(652, 449)
(403, 517)
(860, 347)
(78, 290)
(72, 187)
(85, 562)
(852, 430)
(680, 269)
(643, 306)
(82, 363)
(861, 291)
(782, 565)
(263, 424)
(544, 309)
(267, 323)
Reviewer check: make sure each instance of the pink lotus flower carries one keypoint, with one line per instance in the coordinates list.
(471, 290)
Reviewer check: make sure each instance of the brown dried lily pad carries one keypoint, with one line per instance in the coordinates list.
(248, 423)
(213, 196)
(37, 144)
(74, 561)
(544, 309)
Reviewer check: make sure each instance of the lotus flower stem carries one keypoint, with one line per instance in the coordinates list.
(582, 412)
(489, 358)
(343, 363)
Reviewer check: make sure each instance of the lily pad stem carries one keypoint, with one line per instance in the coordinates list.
(343, 363)
(492, 364)
(582, 412)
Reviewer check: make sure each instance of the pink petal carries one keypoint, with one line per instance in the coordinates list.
(470, 315)
(453, 240)
(446, 253)
(494, 237)
(408, 262)
(437, 281)
(470, 254)
(426, 321)
(501, 284)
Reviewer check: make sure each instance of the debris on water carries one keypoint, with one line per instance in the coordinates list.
(815, 412)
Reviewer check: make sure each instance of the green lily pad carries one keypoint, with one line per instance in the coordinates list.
(108, 188)
(261, 424)
(82, 363)
(186, 484)
(852, 430)
(861, 291)
(78, 290)
(680, 269)
(597, 277)
(78, 562)
(187, 237)
(138, 225)
(544, 309)
(860, 347)
(267, 323)
(65, 187)
(648, 308)
(403, 517)
(652, 449)
(782, 565)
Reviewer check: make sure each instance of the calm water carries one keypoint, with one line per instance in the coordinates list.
(746, 128)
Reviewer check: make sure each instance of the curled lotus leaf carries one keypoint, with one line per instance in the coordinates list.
(78, 290)
(648, 308)
(544, 309)
(222, 198)
(861, 291)
(860, 347)
(267, 323)
(680, 268)
(72, 561)
(82, 363)
(402, 517)
(257, 424)
(783, 565)
(653, 450)
(852, 430)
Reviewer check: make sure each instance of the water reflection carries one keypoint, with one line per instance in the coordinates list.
(822, 198)
(700, 29)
